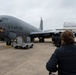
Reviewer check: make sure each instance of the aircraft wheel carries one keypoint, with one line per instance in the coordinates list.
(16, 47)
(41, 39)
(8, 43)
(2, 39)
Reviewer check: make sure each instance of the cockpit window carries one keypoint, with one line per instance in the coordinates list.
(0, 20)
(3, 19)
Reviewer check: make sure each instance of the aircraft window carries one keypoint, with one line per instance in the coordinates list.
(15, 27)
(20, 28)
(11, 27)
(8, 27)
(4, 19)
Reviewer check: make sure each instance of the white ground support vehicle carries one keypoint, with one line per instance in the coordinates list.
(22, 42)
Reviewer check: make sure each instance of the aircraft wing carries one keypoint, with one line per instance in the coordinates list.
(42, 34)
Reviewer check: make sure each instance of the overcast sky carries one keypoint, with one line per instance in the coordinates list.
(53, 12)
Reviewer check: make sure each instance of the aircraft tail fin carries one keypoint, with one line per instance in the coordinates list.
(41, 24)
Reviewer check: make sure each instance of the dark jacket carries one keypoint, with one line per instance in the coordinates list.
(65, 58)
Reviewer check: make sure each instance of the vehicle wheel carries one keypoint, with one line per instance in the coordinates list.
(26, 46)
(31, 46)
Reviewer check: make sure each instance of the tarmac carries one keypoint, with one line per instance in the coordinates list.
(25, 61)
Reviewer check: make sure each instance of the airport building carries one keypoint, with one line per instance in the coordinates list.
(68, 25)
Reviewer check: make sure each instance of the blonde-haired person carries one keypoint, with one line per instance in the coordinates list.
(63, 59)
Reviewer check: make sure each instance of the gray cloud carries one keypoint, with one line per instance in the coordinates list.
(53, 12)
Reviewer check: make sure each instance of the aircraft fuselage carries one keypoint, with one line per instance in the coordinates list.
(14, 25)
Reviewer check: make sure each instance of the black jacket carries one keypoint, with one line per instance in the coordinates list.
(65, 58)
